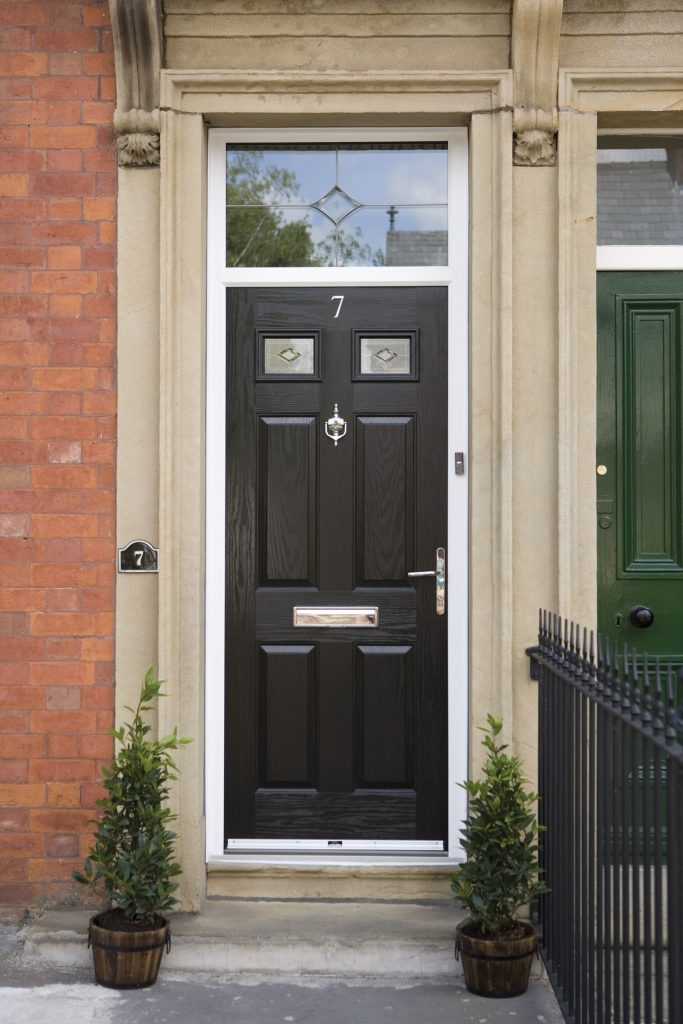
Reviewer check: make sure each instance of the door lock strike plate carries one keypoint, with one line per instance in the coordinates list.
(459, 463)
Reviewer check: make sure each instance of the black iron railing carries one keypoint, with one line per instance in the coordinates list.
(611, 801)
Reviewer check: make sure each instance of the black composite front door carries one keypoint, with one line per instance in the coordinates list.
(336, 682)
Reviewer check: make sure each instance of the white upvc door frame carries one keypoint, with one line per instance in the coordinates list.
(456, 278)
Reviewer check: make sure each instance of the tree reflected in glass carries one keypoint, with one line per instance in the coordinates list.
(277, 217)
(258, 235)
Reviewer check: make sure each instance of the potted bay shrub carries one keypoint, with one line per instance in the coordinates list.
(131, 860)
(500, 876)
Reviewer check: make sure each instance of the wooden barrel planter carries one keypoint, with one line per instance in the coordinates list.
(127, 958)
(496, 967)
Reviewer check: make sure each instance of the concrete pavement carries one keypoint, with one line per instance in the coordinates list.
(35, 989)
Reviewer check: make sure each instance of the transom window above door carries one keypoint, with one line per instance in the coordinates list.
(332, 204)
(640, 190)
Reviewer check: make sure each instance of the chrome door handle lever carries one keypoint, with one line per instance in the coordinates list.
(440, 578)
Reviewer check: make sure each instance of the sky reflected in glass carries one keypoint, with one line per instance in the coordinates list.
(390, 176)
(271, 191)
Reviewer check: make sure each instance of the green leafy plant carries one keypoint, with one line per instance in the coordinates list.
(500, 839)
(131, 857)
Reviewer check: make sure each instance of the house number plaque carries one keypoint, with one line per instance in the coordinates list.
(139, 556)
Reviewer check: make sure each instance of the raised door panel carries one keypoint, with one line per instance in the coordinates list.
(384, 716)
(385, 499)
(649, 372)
(287, 714)
(287, 512)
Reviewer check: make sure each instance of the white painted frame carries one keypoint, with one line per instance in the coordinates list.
(455, 277)
(639, 257)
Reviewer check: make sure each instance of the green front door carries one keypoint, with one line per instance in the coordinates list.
(640, 460)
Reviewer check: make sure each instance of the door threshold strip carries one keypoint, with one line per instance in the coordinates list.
(402, 846)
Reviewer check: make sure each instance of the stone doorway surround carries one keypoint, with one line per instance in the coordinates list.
(524, 354)
(162, 365)
(201, 99)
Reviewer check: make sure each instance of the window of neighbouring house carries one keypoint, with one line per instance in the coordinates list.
(337, 205)
(640, 190)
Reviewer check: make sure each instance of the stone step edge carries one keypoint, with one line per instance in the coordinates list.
(253, 880)
(421, 956)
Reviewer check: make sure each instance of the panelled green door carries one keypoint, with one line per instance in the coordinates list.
(640, 460)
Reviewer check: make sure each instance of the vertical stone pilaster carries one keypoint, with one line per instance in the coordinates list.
(576, 431)
(491, 495)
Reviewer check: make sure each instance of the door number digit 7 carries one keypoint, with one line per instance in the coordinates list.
(341, 300)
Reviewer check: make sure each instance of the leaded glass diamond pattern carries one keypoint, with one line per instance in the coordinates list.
(386, 355)
(289, 354)
(336, 205)
(325, 204)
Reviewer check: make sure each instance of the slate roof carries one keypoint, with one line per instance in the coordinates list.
(638, 204)
(417, 248)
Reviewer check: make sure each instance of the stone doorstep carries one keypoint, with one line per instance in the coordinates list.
(283, 938)
(358, 881)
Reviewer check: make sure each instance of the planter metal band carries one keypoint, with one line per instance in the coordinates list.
(493, 956)
(166, 941)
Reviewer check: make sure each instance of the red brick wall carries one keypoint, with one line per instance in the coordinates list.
(57, 436)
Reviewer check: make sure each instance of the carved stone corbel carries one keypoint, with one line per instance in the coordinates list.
(138, 43)
(535, 62)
